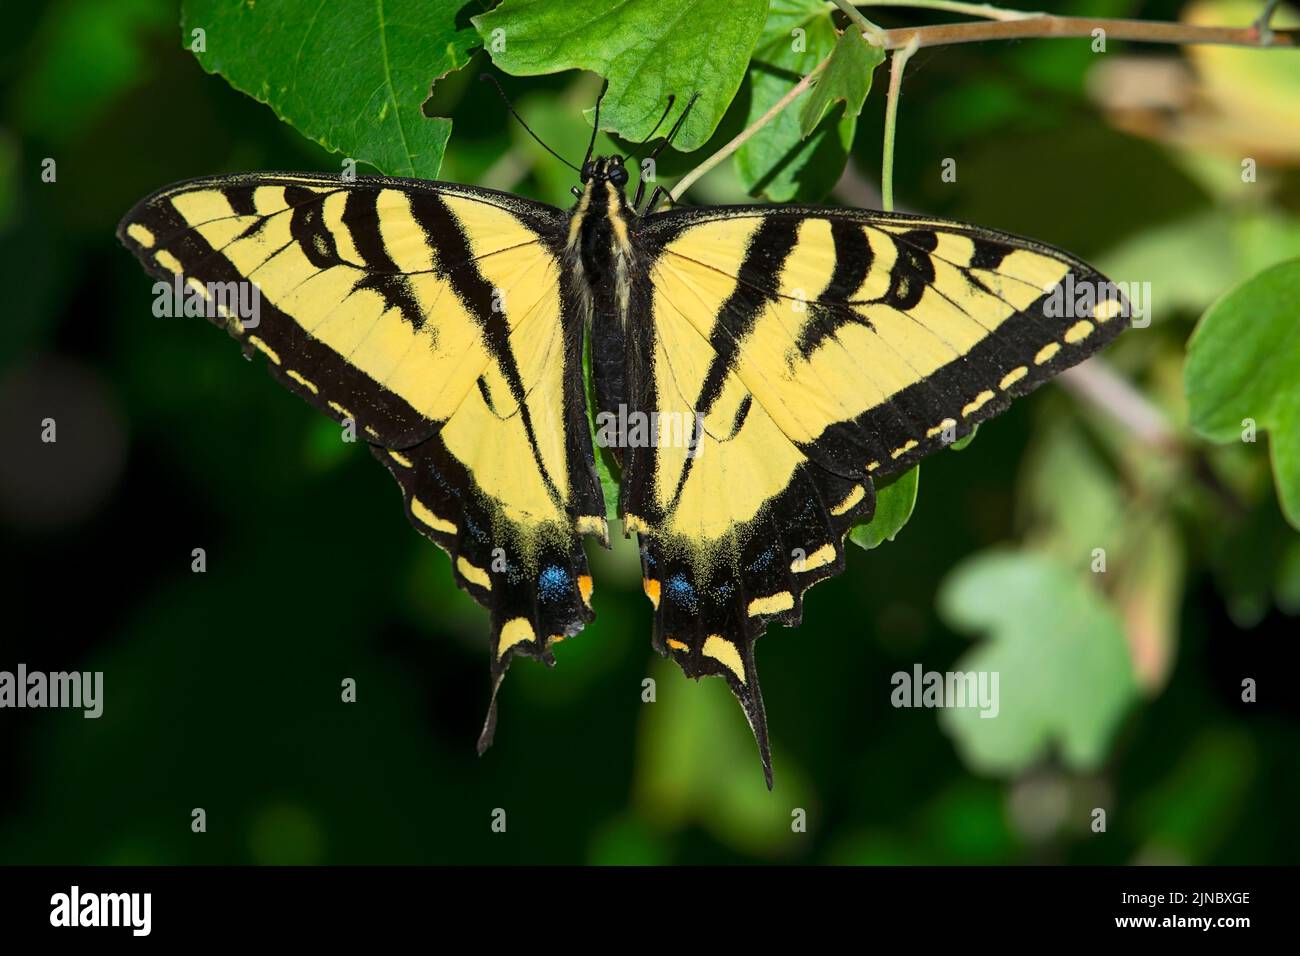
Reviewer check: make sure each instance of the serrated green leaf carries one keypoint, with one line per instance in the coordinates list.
(350, 76)
(647, 49)
(777, 161)
(1065, 678)
(1243, 367)
(847, 77)
(895, 500)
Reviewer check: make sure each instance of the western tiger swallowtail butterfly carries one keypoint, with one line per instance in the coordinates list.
(784, 358)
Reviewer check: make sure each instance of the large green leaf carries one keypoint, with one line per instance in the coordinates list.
(1243, 362)
(847, 78)
(778, 161)
(647, 49)
(350, 76)
(1064, 673)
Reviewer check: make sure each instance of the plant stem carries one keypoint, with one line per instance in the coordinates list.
(1098, 384)
(869, 30)
(1263, 23)
(896, 66)
(1044, 27)
(1258, 35)
(985, 11)
(741, 138)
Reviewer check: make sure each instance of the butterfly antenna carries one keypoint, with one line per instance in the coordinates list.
(676, 126)
(668, 109)
(595, 124)
(505, 99)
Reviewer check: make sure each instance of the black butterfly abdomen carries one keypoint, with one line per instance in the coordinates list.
(600, 251)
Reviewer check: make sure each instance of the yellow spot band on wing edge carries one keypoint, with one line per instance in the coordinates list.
(168, 261)
(427, 517)
(474, 574)
(1079, 331)
(1015, 375)
(1046, 352)
(264, 349)
(820, 558)
(304, 382)
(939, 428)
(140, 234)
(516, 631)
(980, 400)
(725, 653)
(851, 499)
(772, 604)
(1107, 309)
(900, 452)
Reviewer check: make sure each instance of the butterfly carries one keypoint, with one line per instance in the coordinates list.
(759, 368)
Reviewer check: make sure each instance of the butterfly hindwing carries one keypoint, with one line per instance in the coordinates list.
(435, 319)
(813, 350)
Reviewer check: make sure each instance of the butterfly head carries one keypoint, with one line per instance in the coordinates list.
(605, 169)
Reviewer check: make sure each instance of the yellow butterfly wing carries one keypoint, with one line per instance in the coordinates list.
(435, 320)
(812, 350)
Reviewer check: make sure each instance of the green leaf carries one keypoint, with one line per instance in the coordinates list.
(778, 161)
(895, 500)
(1243, 367)
(1064, 674)
(350, 76)
(847, 77)
(961, 443)
(647, 49)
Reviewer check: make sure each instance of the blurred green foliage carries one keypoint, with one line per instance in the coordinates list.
(223, 688)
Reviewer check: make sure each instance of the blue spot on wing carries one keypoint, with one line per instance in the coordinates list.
(764, 561)
(554, 584)
(680, 590)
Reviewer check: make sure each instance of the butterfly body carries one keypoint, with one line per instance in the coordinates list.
(776, 360)
(602, 251)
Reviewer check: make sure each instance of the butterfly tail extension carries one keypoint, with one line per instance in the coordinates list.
(536, 585)
(710, 613)
(699, 624)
